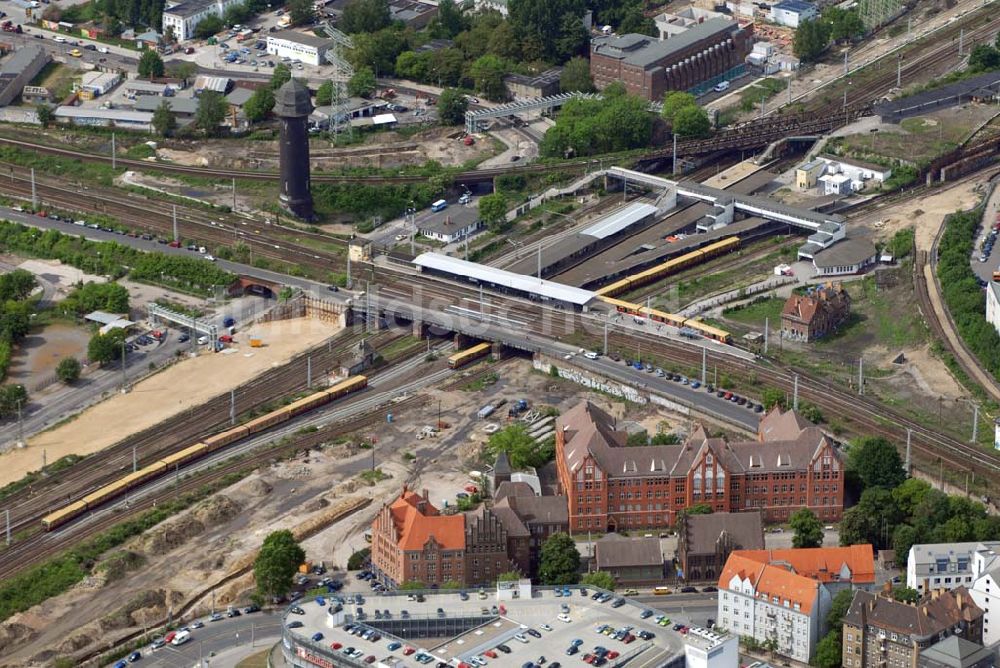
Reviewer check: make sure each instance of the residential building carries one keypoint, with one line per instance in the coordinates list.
(306, 47)
(943, 565)
(836, 568)
(957, 652)
(880, 631)
(771, 603)
(993, 304)
(18, 71)
(529, 520)
(630, 560)
(985, 589)
(453, 224)
(791, 13)
(708, 649)
(815, 314)
(611, 486)
(183, 17)
(520, 86)
(649, 67)
(413, 542)
(705, 542)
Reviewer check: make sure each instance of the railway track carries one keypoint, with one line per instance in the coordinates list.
(29, 504)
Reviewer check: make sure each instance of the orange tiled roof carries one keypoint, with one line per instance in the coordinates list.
(821, 563)
(415, 528)
(770, 581)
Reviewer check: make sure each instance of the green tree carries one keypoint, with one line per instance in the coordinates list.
(509, 576)
(89, 297)
(674, 101)
(519, 446)
(573, 37)
(984, 58)
(560, 561)
(378, 50)
(493, 210)
(807, 527)
(692, 122)
(259, 105)
(365, 16)
(358, 559)
(236, 14)
(905, 594)
(877, 462)
(576, 76)
(873, 520)
(810, 411)
(488, 72)
(104, 348)
(828, 650)
(150, 64)
(12, 397)
(449, 21)
(451, 584)
(544, 25)
(45, 114)
(362, 83)
(452, 105)
(617, 122)
(280, 76)
(208, 26)
(838, 608)
(211, 112)
(300, 11)
(412, 585)
(698, 509)
(843, 24)
(772, 397)
(16, 285)
(278, 560)
(903, 538)
(164, 120)
(637, 438)
(665, 438)
(811, 39)
(182, 69)
(324, 94)
(909, 494)
(601, 579)
(68, 370)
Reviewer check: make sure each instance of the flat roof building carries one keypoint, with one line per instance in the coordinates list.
(792, 13)
(539, 85)
(649, 67)
(308, 48)
(118, 118)
(183, 107)
(184, 17)
(18, 71)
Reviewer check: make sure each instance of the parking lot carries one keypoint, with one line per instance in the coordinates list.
(546, 628)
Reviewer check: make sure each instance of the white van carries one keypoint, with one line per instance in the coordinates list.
(181, 638)
(465, 198)
(590, 355)
(719, 87)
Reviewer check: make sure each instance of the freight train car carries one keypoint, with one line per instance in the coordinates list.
(669, 267)
(470, 354)
(192, 452)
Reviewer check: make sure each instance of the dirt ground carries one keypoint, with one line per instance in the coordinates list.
(63, 276)
(36, 356)
(231, 524)
(167, 393)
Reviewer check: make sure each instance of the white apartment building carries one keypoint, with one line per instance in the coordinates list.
(985, 588)
(772, 603)
(993, 304)
(184, 17)
(943, 565)
(708, 649)
(307, 48)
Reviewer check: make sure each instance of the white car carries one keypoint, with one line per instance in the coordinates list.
(520, 637)
(564, 618)
(400, 237)
(210, 258)
(545, 627)
(103, 49)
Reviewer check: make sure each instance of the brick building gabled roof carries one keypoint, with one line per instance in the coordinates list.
(854, 563)
(777, 425)
(416, 521)
(935, 613)
(703, 532)
(770, 581)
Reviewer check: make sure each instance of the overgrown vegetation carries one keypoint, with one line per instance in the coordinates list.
(617, 122)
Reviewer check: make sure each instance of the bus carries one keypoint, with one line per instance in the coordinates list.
(661, 591)
(439, 205)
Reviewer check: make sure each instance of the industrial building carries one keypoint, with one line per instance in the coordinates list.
(134, 89)
(115, 118)
(792, 13)
(305, 47)
(18, 71)
(184, 17)
(183, 107)
(94, 84)
(414, 14)
(649, 67)
(520, 86)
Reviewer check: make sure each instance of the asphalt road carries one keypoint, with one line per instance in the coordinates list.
(219, 643)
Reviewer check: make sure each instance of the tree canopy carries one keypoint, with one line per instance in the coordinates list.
(16, 285)
(692, 122)
(278, 560)
(259, 105)
(150, 64)
(452, 105)
(11, 398)
(519, 446)
(617, 122)
(209, 26)
(877, 462)
(300, 11)
(280, 75)
(576, 76)
(807, 527)
(493, 210)
(560, 561)
(211, 112)
(549, 29)
(362, 83)
(365, 16)
(164, 119)
(104, 348)
(487, 73)
(89, 297)
(68, 370)
(324, 94)
(601, 579)
(811, 40)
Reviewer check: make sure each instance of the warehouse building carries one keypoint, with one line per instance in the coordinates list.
(649, 67)
(19, 70)
(792, 13)
(310, 49)
(183, 107)
(184, 17)
(94, 84)
(114, 118)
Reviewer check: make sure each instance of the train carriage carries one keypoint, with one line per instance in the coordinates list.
(709, 331)
(466, 356)
(664, 317)
(225, 438)
(267, 421)
(669, 267)
(63, 515)
(185, 455)
(306, 404)
(352, 384)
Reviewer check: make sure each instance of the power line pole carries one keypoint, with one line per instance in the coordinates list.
(909, 435)
(232, 407)
(8, 525)
(135, 460)
(34, 193)
(975, 422)
(114, 158)
(767, 328)
(234, 194)
(20, 428)
(675, 154)
(124, 376)
(176, 237)
(861, 375)
(309, 373)
(539, 261)
(704, 365)
(605, 337)
(795, 393)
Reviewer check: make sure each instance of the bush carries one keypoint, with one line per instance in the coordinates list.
(68, 370)
(358, 559)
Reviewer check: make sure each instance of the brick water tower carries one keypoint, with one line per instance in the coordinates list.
(293, 106)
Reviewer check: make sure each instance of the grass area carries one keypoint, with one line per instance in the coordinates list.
(58, 78)
(373, 476)
(482, 383)
(878, 316)
(925, 138)
(756, 312)
(258, 660)
(765, 89)
(396, 347)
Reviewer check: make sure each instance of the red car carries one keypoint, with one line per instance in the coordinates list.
(335, 645)
(684, 629)
(612, 655)
(589, 658)
(407, 651)
(471, 489)
(628, 639)
(490, 653)
(370, 658)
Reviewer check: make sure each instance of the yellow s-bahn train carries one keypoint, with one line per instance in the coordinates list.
(679, 321)
(669, 267)
(469, 354)
(210, 444)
